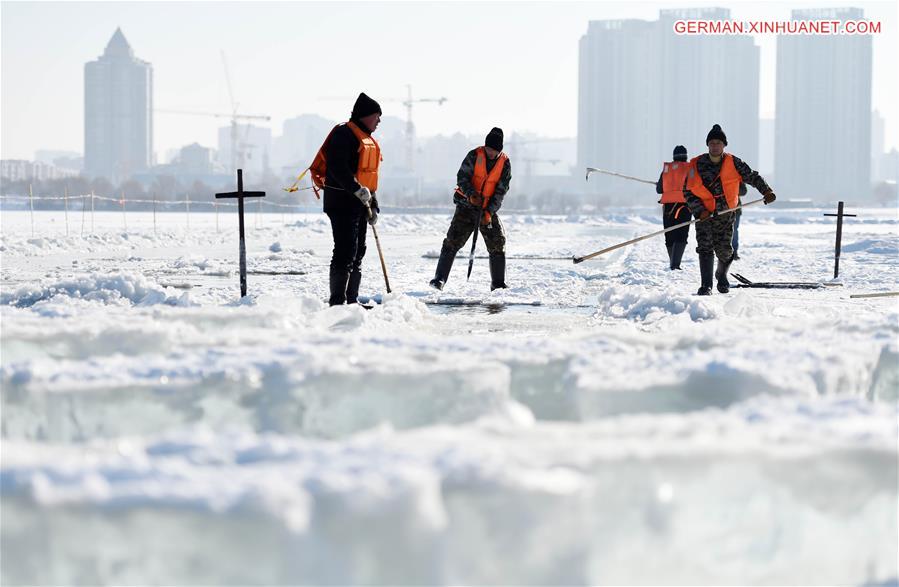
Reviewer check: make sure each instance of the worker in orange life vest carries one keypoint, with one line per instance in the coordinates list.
(353, 158)
(712, 186)
(674, 210)
(482, 182)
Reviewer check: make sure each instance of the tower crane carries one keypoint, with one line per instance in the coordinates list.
(408, 103)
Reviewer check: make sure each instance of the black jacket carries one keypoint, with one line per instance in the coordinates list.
(342, 161)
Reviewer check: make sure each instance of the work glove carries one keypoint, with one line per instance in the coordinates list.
(372, 216)
(364, 195)
(769, 197)
(476, 200)
(704, 214)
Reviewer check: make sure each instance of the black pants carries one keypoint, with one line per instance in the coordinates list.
(672, 214)
(349, 230)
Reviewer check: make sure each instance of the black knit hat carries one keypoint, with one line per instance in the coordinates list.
(494, 139)
(680, 153)
(364, 106)
(716, 133)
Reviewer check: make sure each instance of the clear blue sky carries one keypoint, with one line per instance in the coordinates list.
(510, 64)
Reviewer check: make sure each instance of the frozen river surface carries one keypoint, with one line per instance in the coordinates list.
(593, 424)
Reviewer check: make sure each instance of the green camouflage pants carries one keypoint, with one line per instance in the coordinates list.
(715, 235)
(463, 224)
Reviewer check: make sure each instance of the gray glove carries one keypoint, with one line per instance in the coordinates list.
(373, 216)
(364, 195)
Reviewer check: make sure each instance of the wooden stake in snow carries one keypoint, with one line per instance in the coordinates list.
(83, 213)
(124, 218)
(836, 255)
(240, 195)
(31, 204)
(65, 199)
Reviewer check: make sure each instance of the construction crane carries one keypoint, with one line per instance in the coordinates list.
(236, 146)
(407, 102)
(410, 126)
(239, 149)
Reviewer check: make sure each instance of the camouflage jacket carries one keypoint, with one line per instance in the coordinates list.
(709, 172)
(463, 180)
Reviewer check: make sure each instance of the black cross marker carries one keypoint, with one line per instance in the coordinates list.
(240, 195)
(836, 258)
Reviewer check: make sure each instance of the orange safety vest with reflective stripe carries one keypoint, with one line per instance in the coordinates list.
(369, 161)
(673, 175)
(485, 182)
(730, 183)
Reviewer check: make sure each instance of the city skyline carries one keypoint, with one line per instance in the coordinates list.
(689, 83)
(536, 47)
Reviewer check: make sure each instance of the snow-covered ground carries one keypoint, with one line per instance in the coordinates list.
(594, 424)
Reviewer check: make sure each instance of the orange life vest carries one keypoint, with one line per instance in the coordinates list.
(369, 160)
(730, 183)
(485, 182)
(673, 175)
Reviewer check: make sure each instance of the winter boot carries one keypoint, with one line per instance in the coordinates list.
(721, 275)
(352, 287)
(444, 264)
(706, 268)
(736, 257)
(498, 271)
(677, 253)
(338, 282)
(670, 258)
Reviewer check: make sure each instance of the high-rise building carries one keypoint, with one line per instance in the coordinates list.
(878, 132)
(644, 89)
(118, 112)
(766, 148)
(619, 99)
(707, 80)
(823, 120)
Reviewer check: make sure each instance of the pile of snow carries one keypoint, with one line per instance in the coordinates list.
(115, 288)
(644, 305)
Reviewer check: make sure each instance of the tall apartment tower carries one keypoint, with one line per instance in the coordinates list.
(118, 112)
(823, 120)
(644, 89)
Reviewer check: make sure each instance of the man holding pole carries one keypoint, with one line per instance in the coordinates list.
(482, 182)
(712, 186)
(674, 210)
(352, 157)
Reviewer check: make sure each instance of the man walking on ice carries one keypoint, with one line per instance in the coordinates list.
(712, 186)
(482, 183)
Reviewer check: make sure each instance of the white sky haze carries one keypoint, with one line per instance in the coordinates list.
(508, 64)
